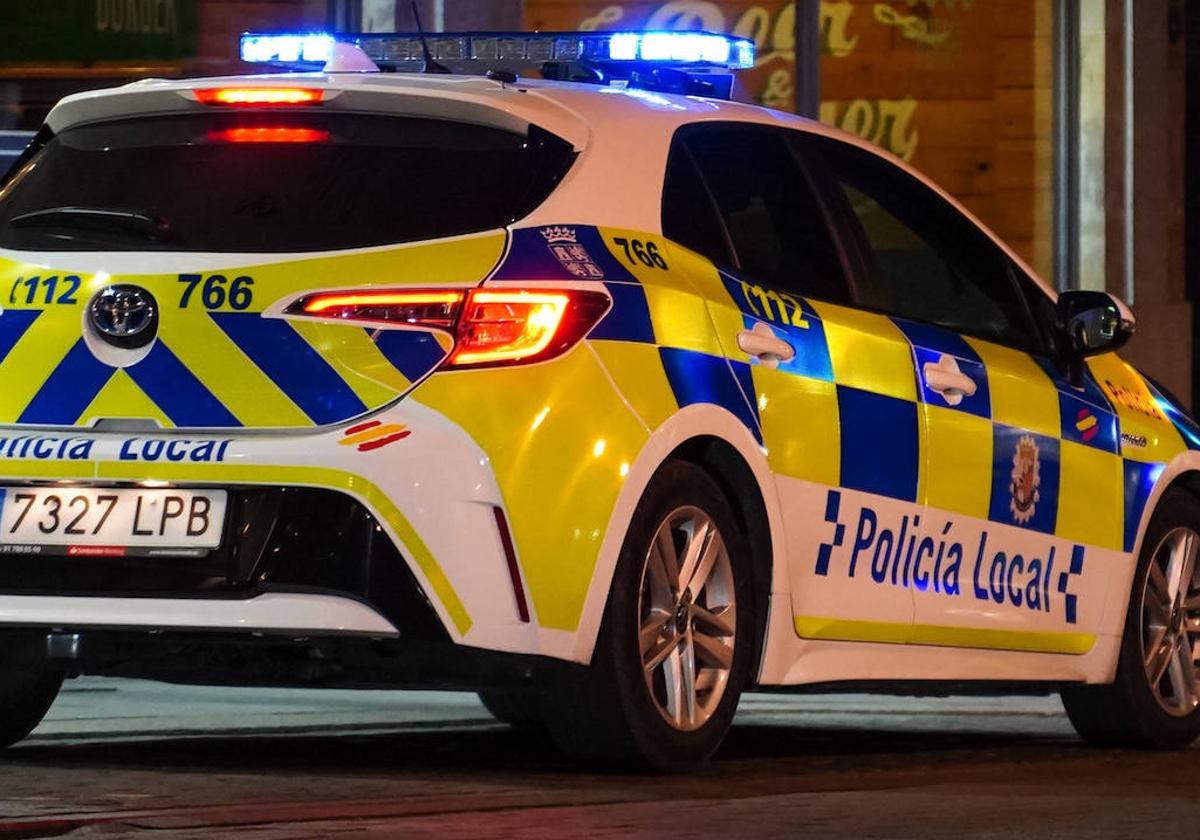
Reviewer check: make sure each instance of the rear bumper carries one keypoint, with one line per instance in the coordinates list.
(294, 560)
(271, 613)
(407, 531)
(308, 589)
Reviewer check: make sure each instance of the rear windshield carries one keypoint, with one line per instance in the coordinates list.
(283, 181)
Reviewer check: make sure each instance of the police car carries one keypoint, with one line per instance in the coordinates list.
(599, 393)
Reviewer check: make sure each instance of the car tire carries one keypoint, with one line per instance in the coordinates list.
(1137, 709)
(25, 697)
(516, 707)
(670, 663)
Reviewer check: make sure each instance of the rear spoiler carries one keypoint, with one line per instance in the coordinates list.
(468, 99)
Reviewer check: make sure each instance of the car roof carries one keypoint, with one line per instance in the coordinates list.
(610, 126)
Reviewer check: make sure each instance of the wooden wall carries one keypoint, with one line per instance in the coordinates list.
(221, 22)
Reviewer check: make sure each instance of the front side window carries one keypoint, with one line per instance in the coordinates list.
(771, 216)
(925, 260)
(1041, 307)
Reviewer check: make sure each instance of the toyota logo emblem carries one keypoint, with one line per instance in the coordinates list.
(125, 316)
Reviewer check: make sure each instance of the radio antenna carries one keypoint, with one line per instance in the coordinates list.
(431, 66)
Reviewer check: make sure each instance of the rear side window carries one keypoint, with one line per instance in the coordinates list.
(274, 182)
(689, 216)
(778, 230)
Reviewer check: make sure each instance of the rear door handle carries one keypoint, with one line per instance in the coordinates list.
(762, 344)
(944, 377)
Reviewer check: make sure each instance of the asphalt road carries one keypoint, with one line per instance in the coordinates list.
(118, 758)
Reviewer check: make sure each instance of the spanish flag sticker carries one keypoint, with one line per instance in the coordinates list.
(372, 435)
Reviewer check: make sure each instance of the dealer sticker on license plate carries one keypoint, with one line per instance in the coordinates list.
(104, 521)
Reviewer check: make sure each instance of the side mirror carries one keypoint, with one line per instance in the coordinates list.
(1093, 322)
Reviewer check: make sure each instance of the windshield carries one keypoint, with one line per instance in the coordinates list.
(262, 181)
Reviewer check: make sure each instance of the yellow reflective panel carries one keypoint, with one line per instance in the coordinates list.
(1091, 496)
(722, 315)
(811, 627)
(229, 374)
(681, 319)
(957, 473)
(868, 351)
(851, 630)
(25, 469)
(1022, 394)
(29, 364)
(351, 352)
(638, 371)
(121, 398)
(560, 439)
(643, 254)
(800, 425)
(680, 303)
(1154, 438)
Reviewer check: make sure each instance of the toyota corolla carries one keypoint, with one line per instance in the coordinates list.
(599, 394)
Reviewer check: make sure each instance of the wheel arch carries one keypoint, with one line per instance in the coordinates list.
(1189, 481)
(1182, 472)
(726, 466)
(719, 443)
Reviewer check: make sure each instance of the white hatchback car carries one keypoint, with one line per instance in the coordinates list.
(598, 394)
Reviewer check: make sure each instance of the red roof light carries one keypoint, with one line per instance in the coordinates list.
(259, 96)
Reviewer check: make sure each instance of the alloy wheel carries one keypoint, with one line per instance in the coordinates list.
(688, 618)
(1171, 622)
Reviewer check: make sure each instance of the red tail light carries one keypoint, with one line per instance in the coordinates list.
(508, 326)
(491, 326)
(259, 96)
(438, 309)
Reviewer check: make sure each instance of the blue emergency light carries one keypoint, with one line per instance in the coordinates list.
(314, 48)
(660, 60)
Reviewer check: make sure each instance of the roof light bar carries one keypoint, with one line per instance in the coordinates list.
(403, 50)
(313, 48)
(689, 48)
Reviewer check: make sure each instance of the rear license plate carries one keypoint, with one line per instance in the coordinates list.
(108, 521)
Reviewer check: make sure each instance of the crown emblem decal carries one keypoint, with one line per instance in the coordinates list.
(554, 235)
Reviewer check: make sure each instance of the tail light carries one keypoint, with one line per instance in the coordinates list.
(492, 327)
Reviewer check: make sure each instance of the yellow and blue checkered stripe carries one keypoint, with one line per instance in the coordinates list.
(695, 368)
(863, 396)
(862, 375)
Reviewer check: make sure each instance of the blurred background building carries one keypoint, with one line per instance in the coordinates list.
(1070, 127)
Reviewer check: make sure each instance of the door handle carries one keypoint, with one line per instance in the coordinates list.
(762, 344)
(945, 378)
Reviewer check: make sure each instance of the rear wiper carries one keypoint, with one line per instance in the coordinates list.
(96, 218)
